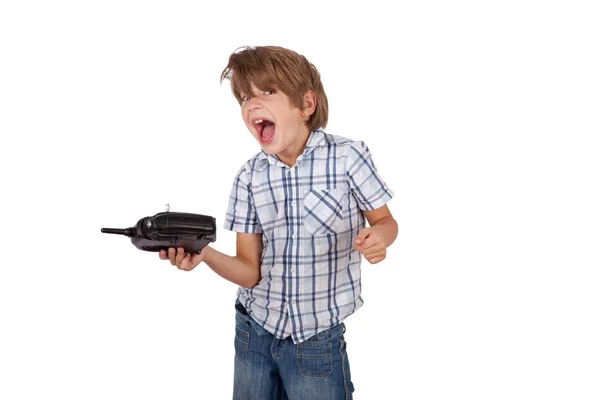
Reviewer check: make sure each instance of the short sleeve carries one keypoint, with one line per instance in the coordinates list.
(368, 188)
(241, 212)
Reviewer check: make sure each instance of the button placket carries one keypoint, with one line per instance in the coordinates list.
(293, 211)
(292, 202)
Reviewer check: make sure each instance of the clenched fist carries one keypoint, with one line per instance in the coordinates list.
(369, 242)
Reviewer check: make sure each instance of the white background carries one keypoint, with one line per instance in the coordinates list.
(483, 117)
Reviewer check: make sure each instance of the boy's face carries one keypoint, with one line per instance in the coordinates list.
(276, 124)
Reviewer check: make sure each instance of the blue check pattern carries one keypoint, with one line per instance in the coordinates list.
(308, 216)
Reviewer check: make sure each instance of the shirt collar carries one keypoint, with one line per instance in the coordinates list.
(315, 138)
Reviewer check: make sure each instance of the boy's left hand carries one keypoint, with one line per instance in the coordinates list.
(369, 242)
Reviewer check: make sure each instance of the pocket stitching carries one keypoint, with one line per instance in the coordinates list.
(335, 210)
(328, 357)
(244, 343)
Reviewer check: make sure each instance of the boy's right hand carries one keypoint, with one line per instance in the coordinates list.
(182, 260)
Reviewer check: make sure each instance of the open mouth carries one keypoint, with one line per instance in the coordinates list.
(265, 129)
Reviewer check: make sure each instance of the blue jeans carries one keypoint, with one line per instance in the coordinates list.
(267, 368)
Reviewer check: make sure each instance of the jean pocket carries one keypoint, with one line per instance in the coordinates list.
(242, 338)
(314, 360)
(324, 211)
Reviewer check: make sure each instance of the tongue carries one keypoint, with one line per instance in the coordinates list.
(268, 132)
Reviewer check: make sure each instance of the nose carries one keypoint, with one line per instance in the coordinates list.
(254, 104)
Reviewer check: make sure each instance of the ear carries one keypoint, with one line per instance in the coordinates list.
(309, 104)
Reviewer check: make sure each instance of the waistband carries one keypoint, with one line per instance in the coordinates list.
(240, 308)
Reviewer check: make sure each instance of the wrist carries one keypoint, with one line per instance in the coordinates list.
(387, 229)
(207, 253)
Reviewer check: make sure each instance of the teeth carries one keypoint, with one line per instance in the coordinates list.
(258, 121)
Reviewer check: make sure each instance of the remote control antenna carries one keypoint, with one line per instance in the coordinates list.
(127, 232)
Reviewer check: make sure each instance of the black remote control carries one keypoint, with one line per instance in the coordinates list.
(171, 229)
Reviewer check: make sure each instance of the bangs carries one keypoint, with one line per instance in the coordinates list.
(241, 82)
(251, 67)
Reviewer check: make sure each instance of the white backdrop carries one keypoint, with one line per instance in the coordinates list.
(481, 116)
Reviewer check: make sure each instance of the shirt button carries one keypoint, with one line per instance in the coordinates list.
(293, 203)
(294, 236)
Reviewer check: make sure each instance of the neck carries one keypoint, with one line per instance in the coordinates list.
(291, 154)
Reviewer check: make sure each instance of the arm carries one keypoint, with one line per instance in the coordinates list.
(243, 269)
(372, 242)
(372, 194)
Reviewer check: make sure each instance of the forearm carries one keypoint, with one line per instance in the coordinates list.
(234, 269)
(387, 228)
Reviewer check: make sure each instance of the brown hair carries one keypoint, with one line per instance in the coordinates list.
(273, 67)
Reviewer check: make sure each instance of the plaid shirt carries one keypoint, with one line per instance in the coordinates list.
(308, 216)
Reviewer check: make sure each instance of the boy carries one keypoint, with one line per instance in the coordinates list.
(299, 209)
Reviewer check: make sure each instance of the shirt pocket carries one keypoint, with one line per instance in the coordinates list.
(324, 211)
